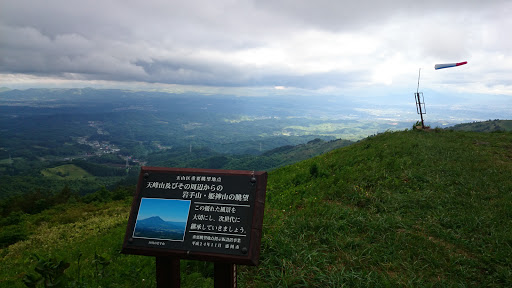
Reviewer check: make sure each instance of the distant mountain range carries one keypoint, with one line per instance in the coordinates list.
(485, 126)
(156, 227)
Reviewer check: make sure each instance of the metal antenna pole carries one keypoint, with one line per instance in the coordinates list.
(418, 100)
(418, 88)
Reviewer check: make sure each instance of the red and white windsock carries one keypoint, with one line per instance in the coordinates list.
(441, 66)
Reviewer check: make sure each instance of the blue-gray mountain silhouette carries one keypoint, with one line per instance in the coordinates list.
(155, 227)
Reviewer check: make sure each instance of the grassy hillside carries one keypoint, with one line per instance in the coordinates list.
(485, 126)
(209, 159)
(409, 208)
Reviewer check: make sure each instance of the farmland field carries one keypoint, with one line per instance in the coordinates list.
(67, 172)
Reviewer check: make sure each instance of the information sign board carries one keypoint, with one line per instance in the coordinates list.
(201, 214)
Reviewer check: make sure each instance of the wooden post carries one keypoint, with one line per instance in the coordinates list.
(168, 272)
(224, 275)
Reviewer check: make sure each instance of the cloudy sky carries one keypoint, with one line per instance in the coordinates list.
(322, 46)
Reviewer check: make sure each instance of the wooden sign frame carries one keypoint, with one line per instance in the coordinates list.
(224, 216)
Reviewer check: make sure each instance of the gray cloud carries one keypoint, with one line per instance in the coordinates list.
(349, 15)
(220, 74)
(247, 43)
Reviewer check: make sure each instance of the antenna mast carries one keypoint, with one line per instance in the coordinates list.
(418, 88)
(420, 101)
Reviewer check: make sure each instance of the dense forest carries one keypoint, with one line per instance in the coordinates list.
(85, 139)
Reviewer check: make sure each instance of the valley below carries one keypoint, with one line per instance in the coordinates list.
(356, 197)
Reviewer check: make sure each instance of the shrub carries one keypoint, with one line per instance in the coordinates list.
(51, 273)
(12, 234)
(313, 169)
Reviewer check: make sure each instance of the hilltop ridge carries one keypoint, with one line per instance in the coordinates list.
(408, 208)
(485, 126)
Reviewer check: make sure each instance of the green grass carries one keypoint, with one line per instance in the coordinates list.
(66, 172)
(399, 209)
(76, 233)
(410, 208)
